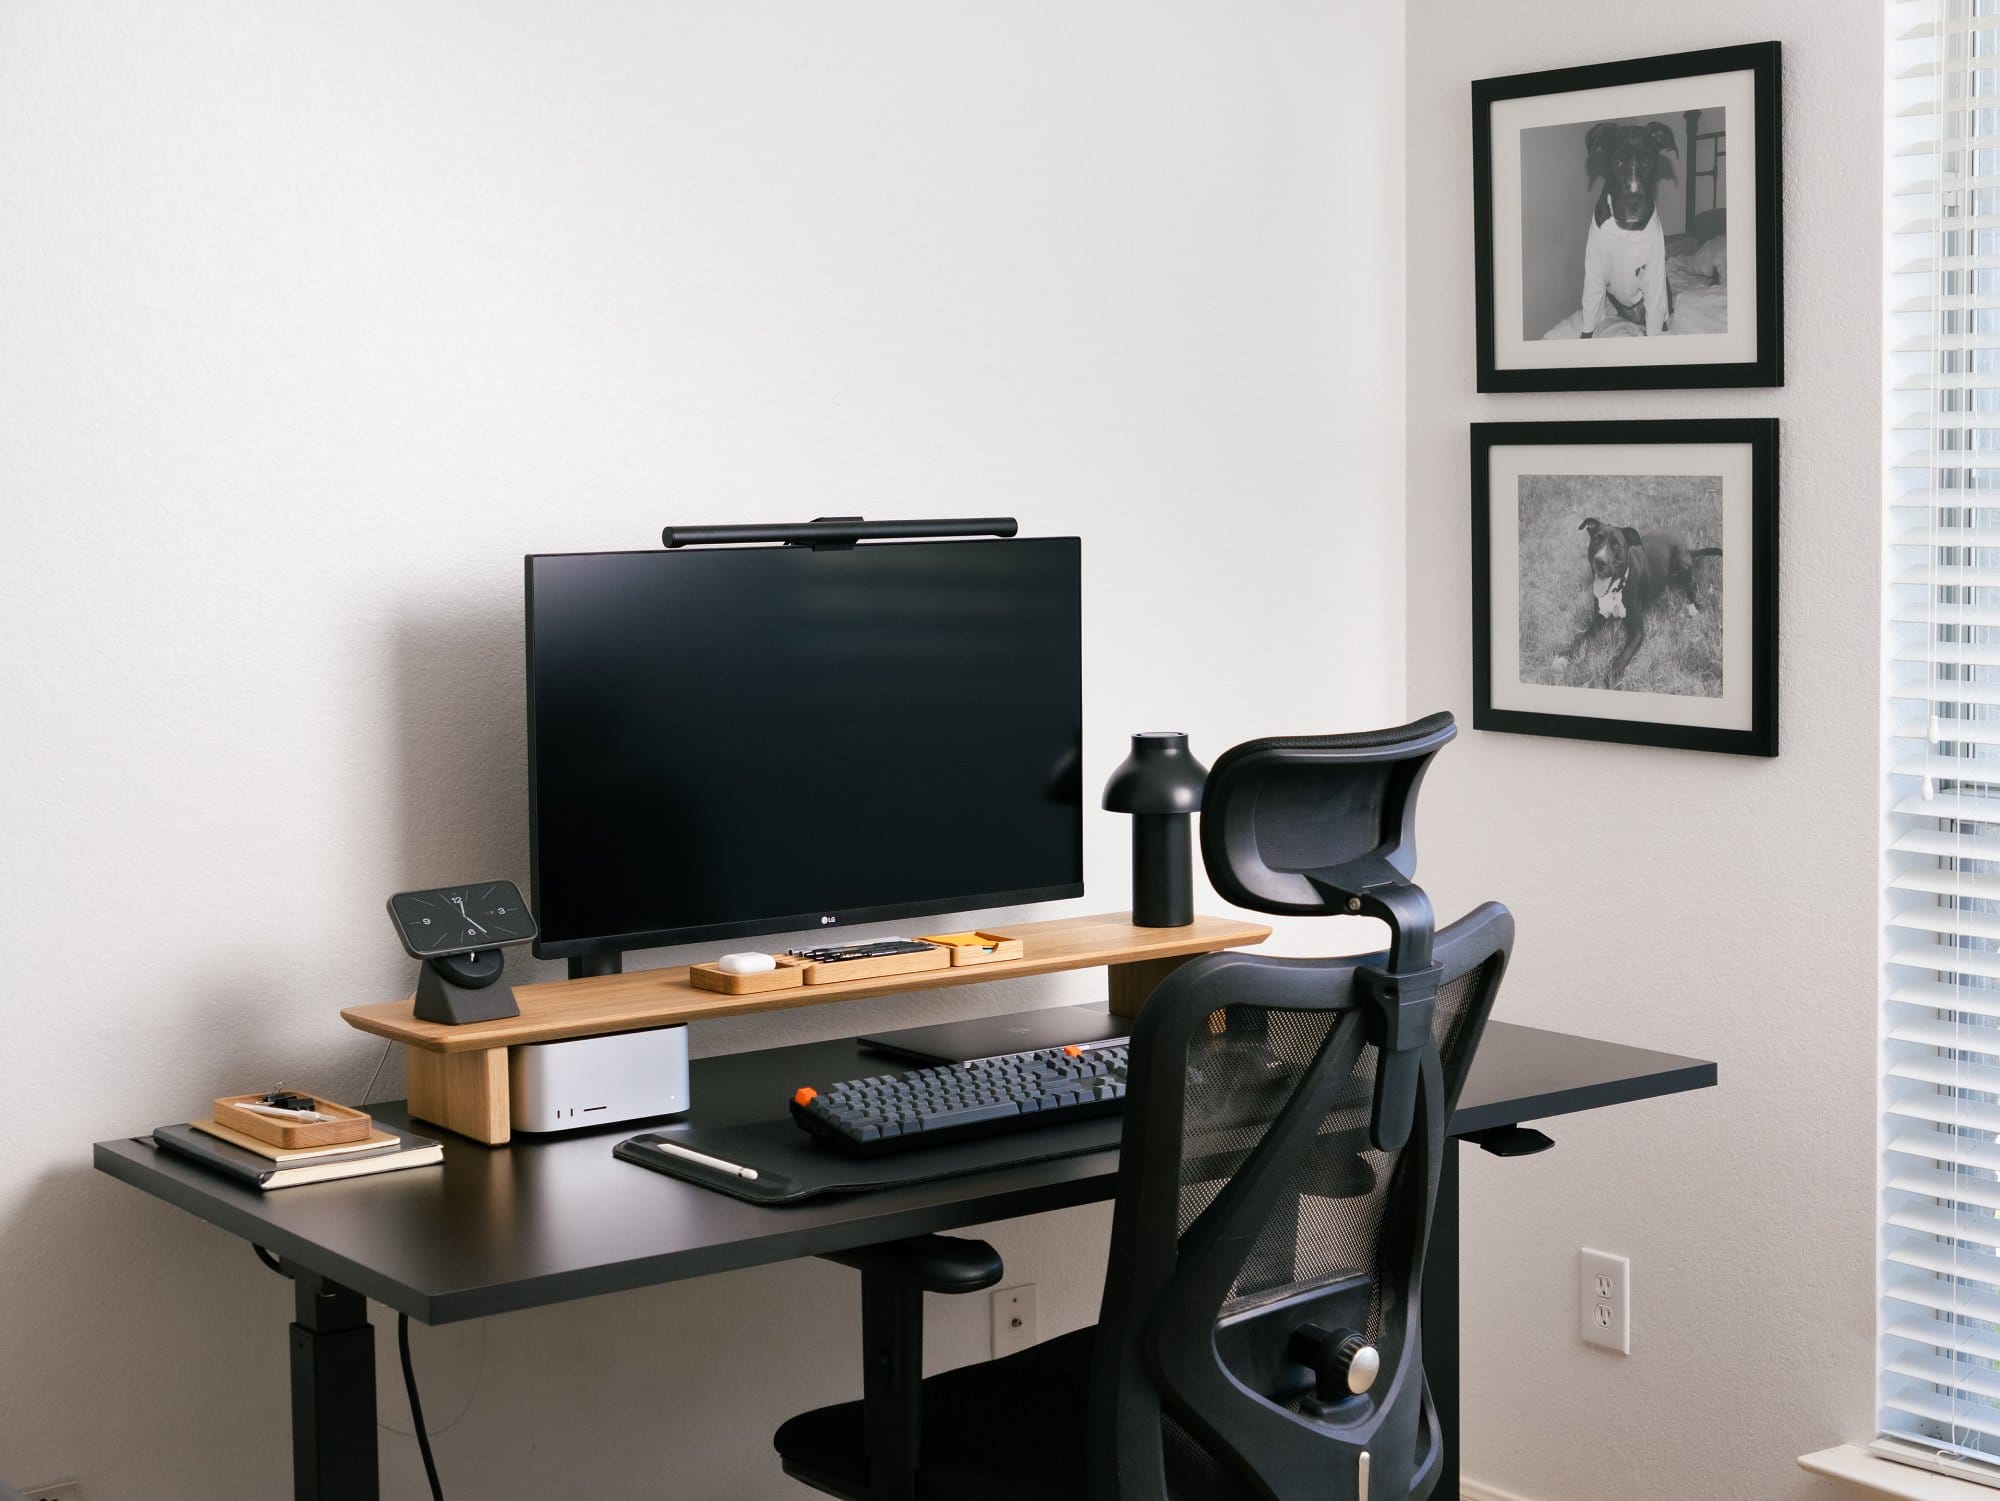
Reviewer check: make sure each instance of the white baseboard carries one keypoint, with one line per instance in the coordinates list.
(1472, 1490)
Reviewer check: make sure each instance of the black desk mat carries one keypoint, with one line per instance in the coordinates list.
(793, 1167)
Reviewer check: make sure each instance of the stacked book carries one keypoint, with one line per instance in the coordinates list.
(261, 1165)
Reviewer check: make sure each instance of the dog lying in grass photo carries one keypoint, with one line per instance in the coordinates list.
(1629, 573)
(1644, 614)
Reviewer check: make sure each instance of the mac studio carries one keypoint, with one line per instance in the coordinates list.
(694, 681)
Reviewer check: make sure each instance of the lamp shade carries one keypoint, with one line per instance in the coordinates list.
(1160, 776)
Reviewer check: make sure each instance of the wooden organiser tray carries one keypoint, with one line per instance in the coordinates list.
(349, 1124)
(789, 975)
(979, 946)
(793, 971)
(458, 1075)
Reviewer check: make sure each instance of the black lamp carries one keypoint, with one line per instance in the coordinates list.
(1159, 784)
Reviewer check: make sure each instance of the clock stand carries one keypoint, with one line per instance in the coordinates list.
(454, 989)
(459, 933)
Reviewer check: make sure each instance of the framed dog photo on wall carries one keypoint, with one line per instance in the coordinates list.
(1625, 581)
(1626, 224)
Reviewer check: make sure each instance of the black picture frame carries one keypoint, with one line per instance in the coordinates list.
(1760, 435)
(1766, 368)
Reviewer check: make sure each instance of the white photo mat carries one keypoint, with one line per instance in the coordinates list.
(1732, 92)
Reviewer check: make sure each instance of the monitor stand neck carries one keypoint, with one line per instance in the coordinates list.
(585, 966)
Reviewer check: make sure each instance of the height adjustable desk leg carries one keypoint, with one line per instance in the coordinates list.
(333, 1393)
(1441, 1317)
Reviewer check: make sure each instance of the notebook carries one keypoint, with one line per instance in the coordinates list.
(255, 1171)
(377, 1140)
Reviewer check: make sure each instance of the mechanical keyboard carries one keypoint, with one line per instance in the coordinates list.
(958, 1101)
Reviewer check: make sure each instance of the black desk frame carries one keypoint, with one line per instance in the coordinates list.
(1521, 1074)
(333, 1391)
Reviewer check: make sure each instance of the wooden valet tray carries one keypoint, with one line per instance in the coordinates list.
(978, 947)
(868, 969)
(789, 975)
(352, 1125)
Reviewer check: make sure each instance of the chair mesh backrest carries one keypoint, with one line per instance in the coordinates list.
(1320, 1227)
(1221, 1050)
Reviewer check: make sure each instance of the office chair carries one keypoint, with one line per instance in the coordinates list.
(1258, 1338)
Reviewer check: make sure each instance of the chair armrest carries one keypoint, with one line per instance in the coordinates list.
(895, 1275)
(929, 1263)
(1509, 1141)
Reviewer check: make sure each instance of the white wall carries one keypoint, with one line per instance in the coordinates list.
(314, 318)
(1703, 904)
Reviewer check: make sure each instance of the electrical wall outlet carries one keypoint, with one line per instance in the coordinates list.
(1013, 1319)
(62, 1490)
(1604, 1301)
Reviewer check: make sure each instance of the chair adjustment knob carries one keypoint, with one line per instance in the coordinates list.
(1342, 1360)
(1360, 1362)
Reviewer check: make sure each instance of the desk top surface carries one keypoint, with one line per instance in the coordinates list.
(549, 1219)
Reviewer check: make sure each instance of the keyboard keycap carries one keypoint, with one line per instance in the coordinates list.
(972, 1115)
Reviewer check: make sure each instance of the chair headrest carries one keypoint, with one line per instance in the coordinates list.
(1302, 824)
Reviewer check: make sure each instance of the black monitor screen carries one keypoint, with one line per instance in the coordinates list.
(754, 740)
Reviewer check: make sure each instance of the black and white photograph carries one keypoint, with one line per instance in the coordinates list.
(1654, 574)
(1605, 200)
(1624, 229)
(1624, 581)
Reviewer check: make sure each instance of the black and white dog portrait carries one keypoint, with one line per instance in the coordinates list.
(1632, 605)
(1624, 581)
(1621, 216)
(1623, 251)
(1625, 248)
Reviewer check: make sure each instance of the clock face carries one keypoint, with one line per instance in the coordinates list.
(460, 919)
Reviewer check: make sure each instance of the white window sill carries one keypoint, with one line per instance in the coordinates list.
(1871, 1475)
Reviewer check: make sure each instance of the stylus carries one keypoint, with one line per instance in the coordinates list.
(284, 1115)
(703, 1158)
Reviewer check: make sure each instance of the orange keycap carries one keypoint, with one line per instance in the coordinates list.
(804, 1096)
(1074, 1051)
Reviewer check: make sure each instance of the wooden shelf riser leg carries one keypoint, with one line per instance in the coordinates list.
(1132, 983)
(463, 1092)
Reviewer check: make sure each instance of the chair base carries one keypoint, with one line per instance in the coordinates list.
(1001, 1430)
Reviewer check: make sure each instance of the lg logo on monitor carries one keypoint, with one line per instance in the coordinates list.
(825, 920)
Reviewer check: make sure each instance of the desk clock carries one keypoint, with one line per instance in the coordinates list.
(458, 931)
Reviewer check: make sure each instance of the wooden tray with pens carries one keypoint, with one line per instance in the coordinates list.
(827, 967)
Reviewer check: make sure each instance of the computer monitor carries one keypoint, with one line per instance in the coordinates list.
(748, 740)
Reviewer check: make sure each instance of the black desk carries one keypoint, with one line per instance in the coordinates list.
(544, 1221)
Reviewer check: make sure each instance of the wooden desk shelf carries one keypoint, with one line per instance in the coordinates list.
(458, 1075)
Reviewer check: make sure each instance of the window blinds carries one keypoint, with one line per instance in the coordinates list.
(1940, 1275)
